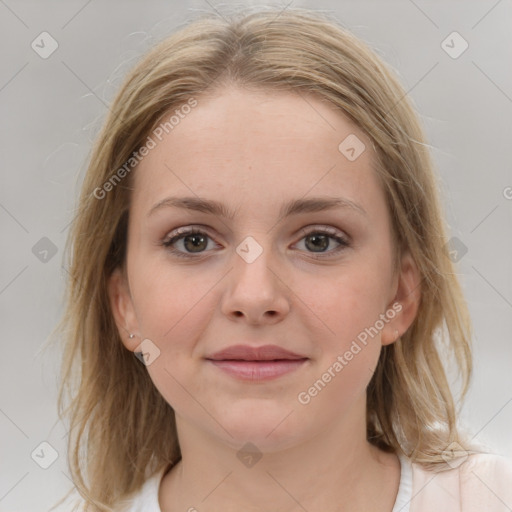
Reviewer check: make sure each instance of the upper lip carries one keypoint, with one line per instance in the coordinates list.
(249, 353)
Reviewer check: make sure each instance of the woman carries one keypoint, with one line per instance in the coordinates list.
(260, 287)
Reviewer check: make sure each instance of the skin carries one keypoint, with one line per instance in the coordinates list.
(254, 151)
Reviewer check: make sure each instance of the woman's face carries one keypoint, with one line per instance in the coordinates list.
(318, 282)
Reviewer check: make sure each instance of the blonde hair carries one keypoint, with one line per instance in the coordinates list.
(121, 434)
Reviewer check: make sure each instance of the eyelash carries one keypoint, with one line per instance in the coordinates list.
(185, 232)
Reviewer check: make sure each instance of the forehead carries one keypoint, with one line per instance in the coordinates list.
(254, 147)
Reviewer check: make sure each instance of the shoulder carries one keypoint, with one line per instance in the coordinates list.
(488, 465)
(145, 499)
(474, 482)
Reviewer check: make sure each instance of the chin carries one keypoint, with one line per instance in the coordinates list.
(269, 429)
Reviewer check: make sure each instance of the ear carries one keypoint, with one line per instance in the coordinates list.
(406, 302)
(122, 308)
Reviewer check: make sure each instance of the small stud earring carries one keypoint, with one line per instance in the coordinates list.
(131, 336)
(396, 334)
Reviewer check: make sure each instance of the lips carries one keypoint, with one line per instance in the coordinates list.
(256, 364)
(248, 353)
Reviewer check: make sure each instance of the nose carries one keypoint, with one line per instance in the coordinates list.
(256, 292)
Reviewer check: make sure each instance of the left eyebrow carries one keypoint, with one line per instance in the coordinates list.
(294, 207)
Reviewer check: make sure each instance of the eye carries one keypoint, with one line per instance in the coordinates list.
(194, 241)
(318, 241)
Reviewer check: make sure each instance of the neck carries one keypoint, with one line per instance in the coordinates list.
(336, 469)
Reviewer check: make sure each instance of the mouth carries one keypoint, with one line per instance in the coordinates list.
(256, 363)
(257, 370)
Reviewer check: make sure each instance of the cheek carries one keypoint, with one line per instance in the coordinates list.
(346, 302)
(348, 343)
(173, 308)
(168, 299)
(347, 311)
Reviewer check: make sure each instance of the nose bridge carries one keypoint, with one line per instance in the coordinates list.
(255, 290)
(253, 261)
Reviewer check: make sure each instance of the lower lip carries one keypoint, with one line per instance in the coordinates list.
(258, 370)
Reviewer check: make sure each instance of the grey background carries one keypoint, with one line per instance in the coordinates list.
(52, 109)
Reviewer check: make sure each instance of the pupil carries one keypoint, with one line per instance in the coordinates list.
(324, 242)
(199, 239)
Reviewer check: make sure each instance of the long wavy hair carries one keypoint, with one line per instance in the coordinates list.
(121, 434)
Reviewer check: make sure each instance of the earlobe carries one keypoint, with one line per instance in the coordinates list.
(407, 300)
(122, 309)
